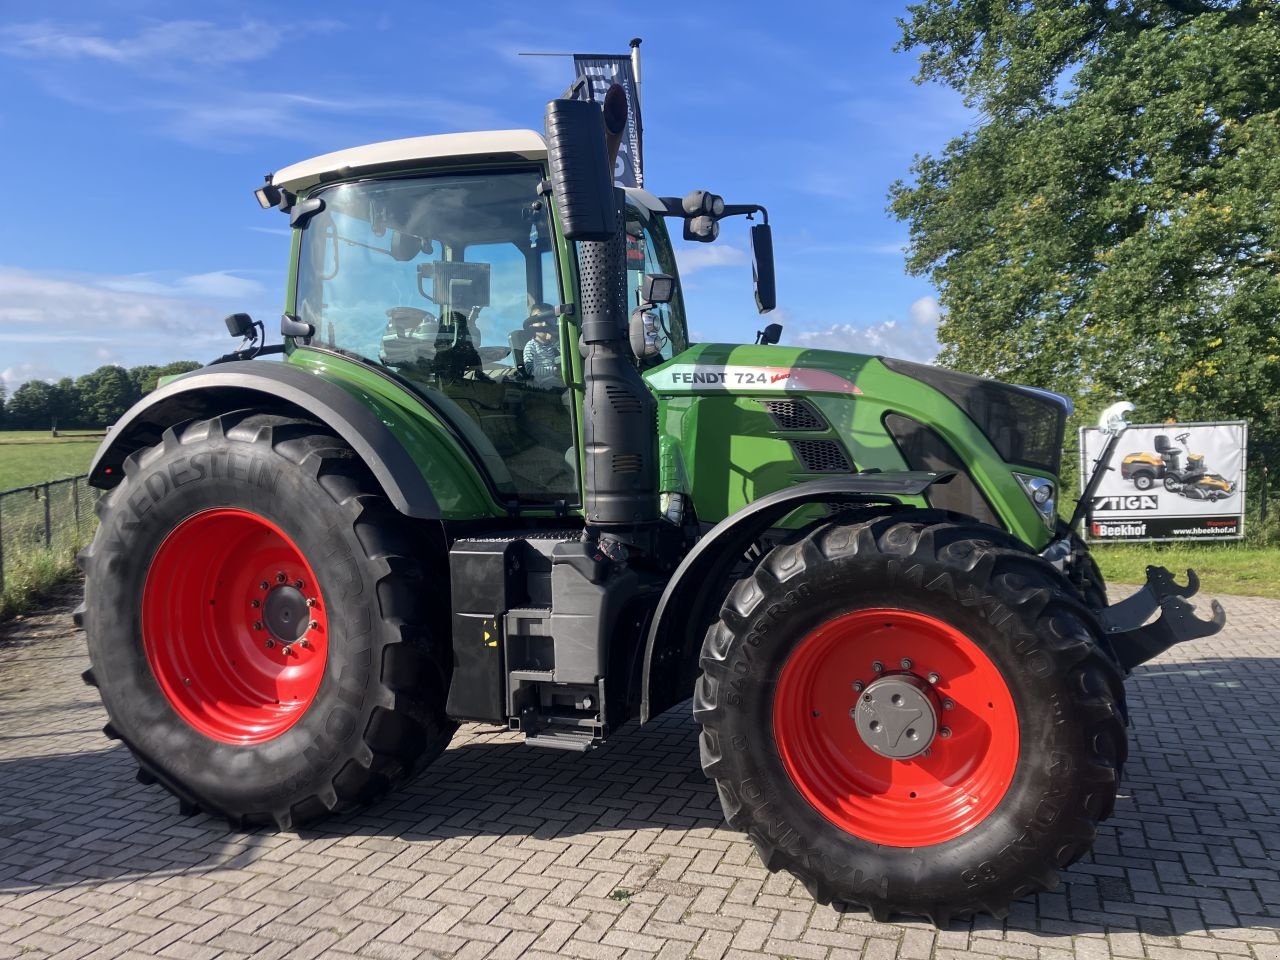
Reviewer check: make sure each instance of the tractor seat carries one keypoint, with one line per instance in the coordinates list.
(1163, 445)
(518, 339)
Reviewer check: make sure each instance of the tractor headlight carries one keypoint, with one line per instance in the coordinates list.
(1043, 496)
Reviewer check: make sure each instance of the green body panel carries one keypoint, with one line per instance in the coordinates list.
(447, 466)
(730, 452)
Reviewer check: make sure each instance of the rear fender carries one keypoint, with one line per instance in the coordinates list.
(277, 388)
(688, 603)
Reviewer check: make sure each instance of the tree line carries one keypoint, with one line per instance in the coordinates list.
(91, 401)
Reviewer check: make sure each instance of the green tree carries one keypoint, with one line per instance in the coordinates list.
(1109, 226)
(31, 407)
(105, 394)
(4, 395)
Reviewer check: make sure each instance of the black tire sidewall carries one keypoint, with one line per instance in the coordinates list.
(987, 862)
(168, 485)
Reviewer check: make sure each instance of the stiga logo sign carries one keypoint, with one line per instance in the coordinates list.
(1144, 501)
(1167, 481)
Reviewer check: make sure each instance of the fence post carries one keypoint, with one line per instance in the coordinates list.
(75, 501)
(2, 543)
(48, 526)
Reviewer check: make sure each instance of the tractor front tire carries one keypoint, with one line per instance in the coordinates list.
(1143, 480)
(910, 717)
(257, 624)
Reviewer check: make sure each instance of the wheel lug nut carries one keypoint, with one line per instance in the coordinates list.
(288, 650)
(948, 704)
(297, 584)
(303, 643)
(944, 732)
(934, 678)
(906, 663)
(270, 643)
(255, 603)
(858, 685)
(877, 666)
(257, 624)
(281, 578)
(314, 625)
(311, 601)
(264, 585)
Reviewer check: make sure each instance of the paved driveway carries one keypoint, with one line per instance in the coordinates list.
(503, 851)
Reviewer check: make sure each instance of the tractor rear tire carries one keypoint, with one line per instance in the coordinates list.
(1017, 709)
(257, 624)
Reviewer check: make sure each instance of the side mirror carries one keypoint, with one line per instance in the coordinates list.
(581, 176)
(762, 270)
(770, 334)
(658, 288)
(304, 210)
(1112, 420)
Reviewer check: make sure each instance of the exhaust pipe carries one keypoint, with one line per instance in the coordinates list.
(620, 480)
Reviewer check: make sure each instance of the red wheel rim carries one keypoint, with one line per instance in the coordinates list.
(233, 626)
(930, 798)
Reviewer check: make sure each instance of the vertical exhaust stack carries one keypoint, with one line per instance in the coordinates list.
(620, 414)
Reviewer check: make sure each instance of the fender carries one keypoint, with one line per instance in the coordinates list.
(278, 387)
(682, 612)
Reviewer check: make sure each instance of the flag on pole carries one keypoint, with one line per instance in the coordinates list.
(600, 71)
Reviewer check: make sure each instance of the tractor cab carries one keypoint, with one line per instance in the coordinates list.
(441, 266)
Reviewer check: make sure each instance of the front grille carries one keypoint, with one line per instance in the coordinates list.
(795, 415)
(1025, 427)
(821, 456)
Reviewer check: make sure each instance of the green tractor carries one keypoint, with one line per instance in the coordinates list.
(491, 480)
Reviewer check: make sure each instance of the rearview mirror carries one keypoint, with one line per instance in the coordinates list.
(762, 269)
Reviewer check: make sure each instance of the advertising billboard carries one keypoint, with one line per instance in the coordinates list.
(1168, 481)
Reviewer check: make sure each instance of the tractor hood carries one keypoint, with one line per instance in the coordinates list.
(739, 421)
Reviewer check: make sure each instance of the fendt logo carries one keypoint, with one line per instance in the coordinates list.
(1142, 501)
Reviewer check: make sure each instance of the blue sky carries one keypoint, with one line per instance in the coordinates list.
(134, 133)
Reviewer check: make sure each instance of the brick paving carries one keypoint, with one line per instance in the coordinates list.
(503, 851)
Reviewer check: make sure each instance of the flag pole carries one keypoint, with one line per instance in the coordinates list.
(635, 69)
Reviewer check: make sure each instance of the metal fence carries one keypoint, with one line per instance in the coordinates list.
(54, 518)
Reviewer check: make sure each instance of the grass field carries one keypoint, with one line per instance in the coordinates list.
(1222, 567)
(32, 456)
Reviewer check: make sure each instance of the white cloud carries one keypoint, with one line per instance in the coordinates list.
(915, 339)
(184, 41)
(217, 285)
(54, 325)
(705, 256)
(18, 374)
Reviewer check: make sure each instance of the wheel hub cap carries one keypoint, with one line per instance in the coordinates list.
(285, 613)
(896, 716)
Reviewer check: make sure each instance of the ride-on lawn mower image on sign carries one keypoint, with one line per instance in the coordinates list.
(546, 509)
(1194, 482)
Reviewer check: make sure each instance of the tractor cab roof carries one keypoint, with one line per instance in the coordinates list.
(390, 154)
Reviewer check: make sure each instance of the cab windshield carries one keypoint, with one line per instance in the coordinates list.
(450, 281)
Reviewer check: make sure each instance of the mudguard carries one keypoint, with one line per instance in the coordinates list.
(716, 553)
(278, 388)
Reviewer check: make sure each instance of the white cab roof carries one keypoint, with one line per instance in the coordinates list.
(525, 144)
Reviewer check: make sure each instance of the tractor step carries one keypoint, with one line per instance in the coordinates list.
(574, 739)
